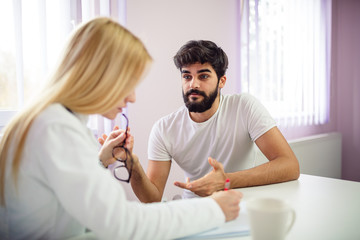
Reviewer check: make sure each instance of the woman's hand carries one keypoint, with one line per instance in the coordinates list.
(115, 138)
(229, 202)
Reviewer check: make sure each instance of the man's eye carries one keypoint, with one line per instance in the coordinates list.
(187, 77)
(204, 76)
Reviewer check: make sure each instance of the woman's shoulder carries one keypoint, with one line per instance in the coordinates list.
(57, 118)
(53, 114)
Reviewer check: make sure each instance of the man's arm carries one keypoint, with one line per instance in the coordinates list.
(282, 166)
(150, 187)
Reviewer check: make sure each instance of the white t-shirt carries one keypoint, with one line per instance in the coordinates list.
(62, 190)
(228, 136)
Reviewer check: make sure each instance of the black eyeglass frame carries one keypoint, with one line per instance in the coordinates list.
(127, 154)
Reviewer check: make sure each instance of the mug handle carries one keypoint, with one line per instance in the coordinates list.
(293, 216)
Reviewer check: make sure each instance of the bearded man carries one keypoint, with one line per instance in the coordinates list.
(212, 138)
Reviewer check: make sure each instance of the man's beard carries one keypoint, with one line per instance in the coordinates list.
(202, 106)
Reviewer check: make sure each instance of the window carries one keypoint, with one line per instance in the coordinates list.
(285, 58)
(8, 82)
(33, 34)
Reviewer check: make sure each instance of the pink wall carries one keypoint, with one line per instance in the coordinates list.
(345, 87)
(346, 73)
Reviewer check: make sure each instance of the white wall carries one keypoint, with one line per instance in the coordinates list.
(164, 26)
(318, 155)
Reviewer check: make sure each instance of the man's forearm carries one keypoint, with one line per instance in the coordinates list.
(143, 188)
(275, 171)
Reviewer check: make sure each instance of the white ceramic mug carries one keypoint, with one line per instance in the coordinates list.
(270, 218)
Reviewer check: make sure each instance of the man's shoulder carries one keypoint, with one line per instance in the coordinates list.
(243, 95)
(238, 98)
(174, 117)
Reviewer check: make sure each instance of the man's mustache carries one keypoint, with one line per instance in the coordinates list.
(196, 92)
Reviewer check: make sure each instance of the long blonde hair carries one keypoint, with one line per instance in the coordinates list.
(102, 64)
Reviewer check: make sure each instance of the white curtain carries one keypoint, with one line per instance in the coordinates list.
(33, 34)
(285, 58)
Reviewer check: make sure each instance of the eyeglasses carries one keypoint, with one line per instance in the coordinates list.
(122, 154)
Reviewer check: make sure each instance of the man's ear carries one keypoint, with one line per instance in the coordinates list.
(222, 81)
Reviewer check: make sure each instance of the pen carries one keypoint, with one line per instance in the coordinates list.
(227, 184)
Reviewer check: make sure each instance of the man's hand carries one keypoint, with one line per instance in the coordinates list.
(210, 183)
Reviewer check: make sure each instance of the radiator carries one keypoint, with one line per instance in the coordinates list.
(318, 155)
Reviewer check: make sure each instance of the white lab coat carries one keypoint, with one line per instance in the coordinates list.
(62, 190)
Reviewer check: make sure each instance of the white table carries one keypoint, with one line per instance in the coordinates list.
(326, 208)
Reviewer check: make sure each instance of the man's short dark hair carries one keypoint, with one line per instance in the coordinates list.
(202, 52)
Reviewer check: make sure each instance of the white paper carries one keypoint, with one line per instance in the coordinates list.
(235, 228)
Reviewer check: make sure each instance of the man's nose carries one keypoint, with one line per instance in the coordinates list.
(194, 84)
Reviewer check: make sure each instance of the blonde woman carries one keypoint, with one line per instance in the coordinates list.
(51, 184)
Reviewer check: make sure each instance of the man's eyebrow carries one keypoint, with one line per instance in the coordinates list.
(200, 71)
(185, 71)
(204, 70)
